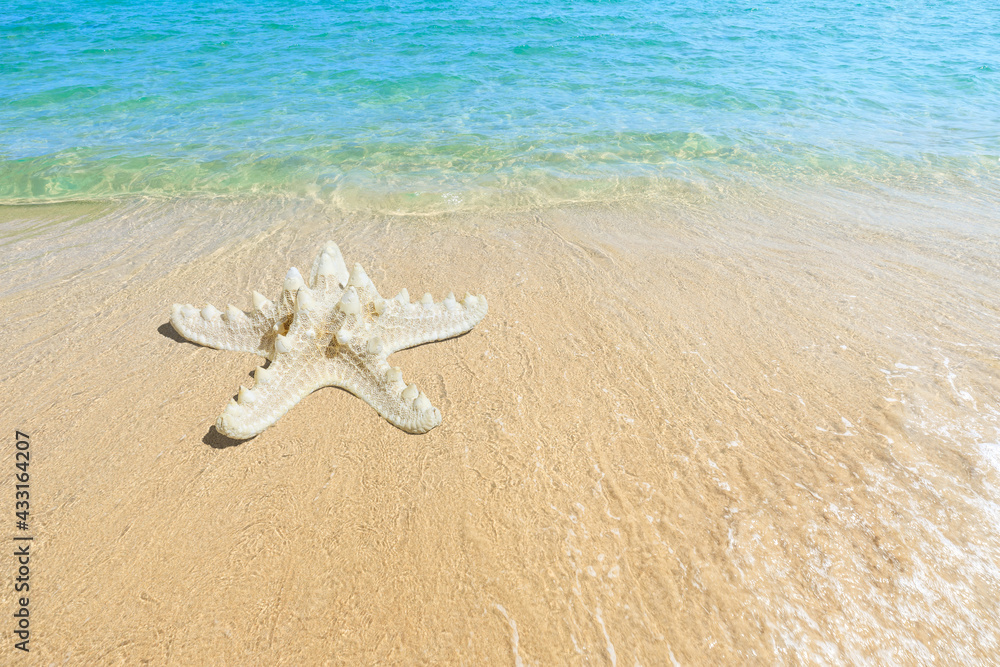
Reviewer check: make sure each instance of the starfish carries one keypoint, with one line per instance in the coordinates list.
(336, 331)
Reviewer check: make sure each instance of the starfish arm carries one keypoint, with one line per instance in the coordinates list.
(276, 390)
(370, 378)
(232, 329)
(403, 325)
(297, 368)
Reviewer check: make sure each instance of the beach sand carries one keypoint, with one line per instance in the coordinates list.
(733, 428)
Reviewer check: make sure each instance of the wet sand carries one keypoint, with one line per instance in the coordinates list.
(735, 428)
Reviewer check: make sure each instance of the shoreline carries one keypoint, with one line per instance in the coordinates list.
(741, 428)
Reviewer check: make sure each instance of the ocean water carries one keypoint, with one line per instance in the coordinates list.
(413, 106)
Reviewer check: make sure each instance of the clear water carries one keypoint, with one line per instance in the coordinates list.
(445, 104)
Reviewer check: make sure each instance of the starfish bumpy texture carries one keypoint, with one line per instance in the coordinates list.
(337, 331)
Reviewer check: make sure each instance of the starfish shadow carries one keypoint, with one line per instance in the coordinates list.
(166, 329)
(216, 440)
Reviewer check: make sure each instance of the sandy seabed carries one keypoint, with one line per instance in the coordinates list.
(734, 428)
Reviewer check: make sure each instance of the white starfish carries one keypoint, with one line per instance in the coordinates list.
(339, 332)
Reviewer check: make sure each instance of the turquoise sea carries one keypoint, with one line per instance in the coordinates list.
(442, 105)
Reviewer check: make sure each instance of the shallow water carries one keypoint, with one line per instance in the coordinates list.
(750, 429)
(411, 106)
